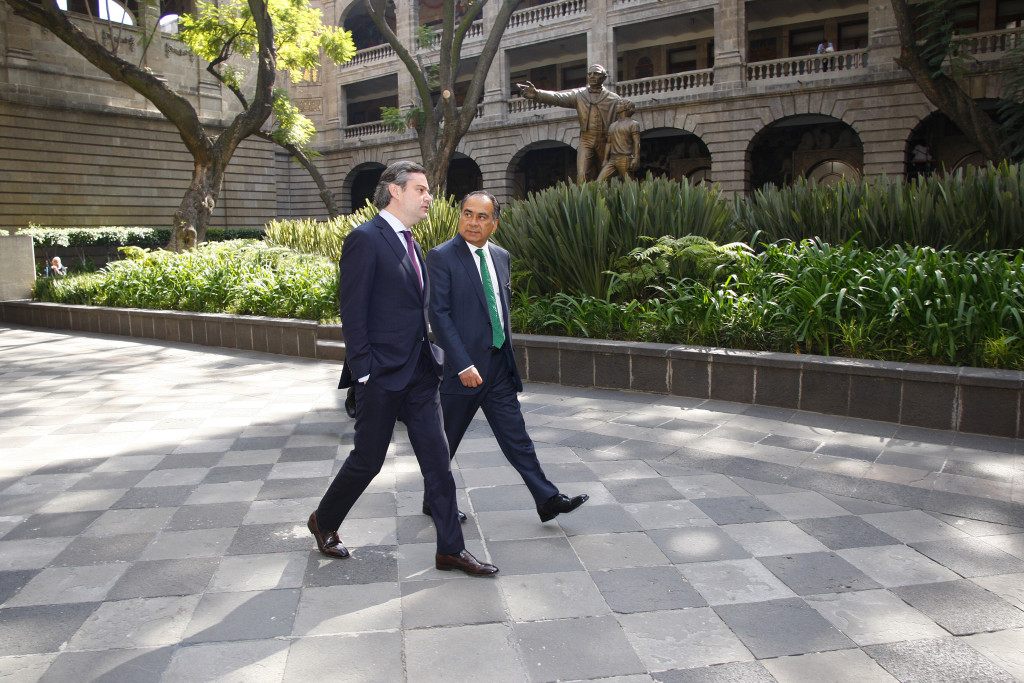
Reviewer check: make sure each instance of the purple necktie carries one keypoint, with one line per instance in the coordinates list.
(412, 254)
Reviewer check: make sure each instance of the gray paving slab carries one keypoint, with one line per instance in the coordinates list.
(153, 500)
(961, 607)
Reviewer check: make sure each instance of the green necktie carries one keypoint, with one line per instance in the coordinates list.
(497, 333)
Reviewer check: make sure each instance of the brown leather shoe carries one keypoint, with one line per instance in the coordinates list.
(329, 544)
(466, 563)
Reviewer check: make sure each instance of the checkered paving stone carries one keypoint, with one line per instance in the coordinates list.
(153, 500)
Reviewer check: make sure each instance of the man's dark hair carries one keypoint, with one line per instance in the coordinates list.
(495, 206)
(397, 173)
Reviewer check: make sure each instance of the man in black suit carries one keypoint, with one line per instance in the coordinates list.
(384, 294)
(470, 292)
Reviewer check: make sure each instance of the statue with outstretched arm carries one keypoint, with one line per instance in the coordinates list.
(595, 105)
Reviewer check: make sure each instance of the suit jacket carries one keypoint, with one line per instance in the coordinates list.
(383, 311)
(458, 312)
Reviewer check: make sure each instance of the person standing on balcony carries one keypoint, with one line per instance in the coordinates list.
(826, 48)
(595, 106)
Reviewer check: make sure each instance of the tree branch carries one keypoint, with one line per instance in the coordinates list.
(176, 108)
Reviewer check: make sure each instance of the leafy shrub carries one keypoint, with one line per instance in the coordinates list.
(672, 258)
(242, 277)
(906, 304)
(122, 236)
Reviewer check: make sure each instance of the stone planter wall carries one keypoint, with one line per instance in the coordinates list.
(937, 397)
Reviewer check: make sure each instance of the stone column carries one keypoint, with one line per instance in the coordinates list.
(883, 37)
(17, 267)
(497, 85)
(406, 22)
(730, 44)
(601, 39)
(328, 85)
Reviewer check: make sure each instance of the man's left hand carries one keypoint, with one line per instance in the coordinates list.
(470, 377)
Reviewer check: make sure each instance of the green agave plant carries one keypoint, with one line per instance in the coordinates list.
(571, 237)
(974, 209)
(326, 238)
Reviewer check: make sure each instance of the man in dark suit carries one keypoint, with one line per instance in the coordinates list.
(469, 313)
(384, 294)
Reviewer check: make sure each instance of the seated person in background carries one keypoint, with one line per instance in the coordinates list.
(56, 267)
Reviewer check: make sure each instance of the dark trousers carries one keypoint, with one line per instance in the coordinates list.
(419, 406)
(500, 403)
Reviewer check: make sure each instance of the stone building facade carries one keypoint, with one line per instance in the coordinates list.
(730, 91)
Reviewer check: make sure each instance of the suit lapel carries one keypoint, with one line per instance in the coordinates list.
(469, 262)
(398, 246)
(502, 274)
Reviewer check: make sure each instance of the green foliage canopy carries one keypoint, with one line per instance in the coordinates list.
(216, 33)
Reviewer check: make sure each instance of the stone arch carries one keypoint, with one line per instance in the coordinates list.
(464, 176)
(364, 32)
(540, 165)
(938, 144)
(804, 145)
(359, 185)
(674, 153)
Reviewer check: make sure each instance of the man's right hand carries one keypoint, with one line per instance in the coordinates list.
(527, 90)
(470, 377)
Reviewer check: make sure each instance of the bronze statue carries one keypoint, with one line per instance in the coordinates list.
(595, 105)
(622, 153)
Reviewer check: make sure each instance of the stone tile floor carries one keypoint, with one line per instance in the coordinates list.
(153, 500)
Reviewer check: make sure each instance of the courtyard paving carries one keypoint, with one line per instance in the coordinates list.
(153, 499)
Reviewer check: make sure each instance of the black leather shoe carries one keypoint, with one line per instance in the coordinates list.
(466, 563)
(426, 511)
(559, 503)
(329, 544)
(350, 402)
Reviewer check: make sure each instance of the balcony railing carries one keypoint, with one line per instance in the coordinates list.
(367, 55)
(548, 12)
(847, 60)
(475, 31)
(686, 80)
(366, 130)
(991, 42)
(521, 105)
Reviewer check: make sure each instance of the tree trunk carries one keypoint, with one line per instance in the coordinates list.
(943, 91)
(192, 219)
(325, 192)
(437, 162)
(210, 157)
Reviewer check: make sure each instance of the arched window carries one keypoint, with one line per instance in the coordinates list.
(101, 9)
(168, 23)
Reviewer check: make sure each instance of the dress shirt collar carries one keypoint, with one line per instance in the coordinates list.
(473, 249)
(393, 221)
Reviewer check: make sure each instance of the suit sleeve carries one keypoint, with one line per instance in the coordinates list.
(559, 99)
(355, 294)
(441, 322)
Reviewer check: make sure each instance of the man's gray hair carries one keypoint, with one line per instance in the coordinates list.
(397, 173)
(495, 206)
